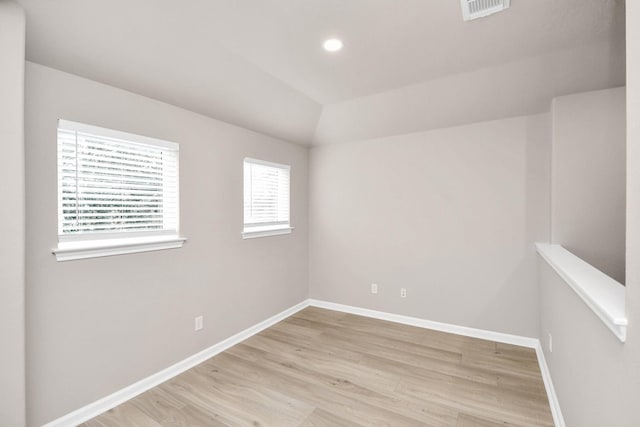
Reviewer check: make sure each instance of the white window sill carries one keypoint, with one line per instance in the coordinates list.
(68, 251)
(601, 293)
(254, 232)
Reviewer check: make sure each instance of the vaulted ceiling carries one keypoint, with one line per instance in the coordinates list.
(259, 63)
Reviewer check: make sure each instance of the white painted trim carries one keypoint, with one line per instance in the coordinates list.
(465, 331)
(554, 404)
(68, 251)
(264, 233)
(429, 324)
(267, 163)
(602, 294)
(96, 408)
(116, 134)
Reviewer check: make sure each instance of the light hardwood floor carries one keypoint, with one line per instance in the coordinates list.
(326, 368)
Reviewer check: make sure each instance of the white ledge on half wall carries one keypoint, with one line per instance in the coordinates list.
(601, 293)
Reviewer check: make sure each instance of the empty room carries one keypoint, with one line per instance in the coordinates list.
(320, 213)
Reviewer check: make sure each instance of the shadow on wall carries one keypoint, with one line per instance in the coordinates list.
(589, 178)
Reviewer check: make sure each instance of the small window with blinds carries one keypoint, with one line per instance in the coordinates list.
(117, 192)
(266, 198)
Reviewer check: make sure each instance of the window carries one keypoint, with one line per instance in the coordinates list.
(266, 198)
(117, 192)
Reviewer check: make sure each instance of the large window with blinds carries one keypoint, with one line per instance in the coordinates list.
(115, 190)
(266, 198)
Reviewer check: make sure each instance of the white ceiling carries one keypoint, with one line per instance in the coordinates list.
(259, 63)
(394, 43)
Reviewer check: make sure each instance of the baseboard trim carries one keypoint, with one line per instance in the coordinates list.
(429, 324)
(558, 419)
(96, 408)
(465, 331)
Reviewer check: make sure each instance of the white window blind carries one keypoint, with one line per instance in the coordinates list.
(113, 185)
(266, 196)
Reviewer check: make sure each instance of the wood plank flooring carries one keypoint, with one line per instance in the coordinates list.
(326, 368)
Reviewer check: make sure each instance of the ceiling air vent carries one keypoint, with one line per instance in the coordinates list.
(472, 9)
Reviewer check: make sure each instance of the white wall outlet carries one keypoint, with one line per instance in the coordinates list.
(198, 323)
(550, 343)
(403, 292)
(374, 288)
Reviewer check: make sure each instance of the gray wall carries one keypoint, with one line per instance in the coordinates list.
(450, 214)
(593, 373)
(597, 378)
(12, 283)
(588, 177)
(95, 326)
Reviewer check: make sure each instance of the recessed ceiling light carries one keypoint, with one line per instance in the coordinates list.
(332, 45)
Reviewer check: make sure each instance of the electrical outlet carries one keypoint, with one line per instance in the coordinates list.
(374, 288)
(550, 344)
(403, 292)
(198, 323)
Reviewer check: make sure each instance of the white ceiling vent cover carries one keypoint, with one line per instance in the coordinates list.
(472, 9)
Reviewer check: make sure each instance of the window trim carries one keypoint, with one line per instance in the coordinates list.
(69, 251)
(116, 134)
(93, 245)
(254, 230)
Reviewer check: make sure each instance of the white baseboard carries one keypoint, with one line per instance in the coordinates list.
(558, 419)
(111, 401)
(465, 331)
(429, 324)
(98, 407)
